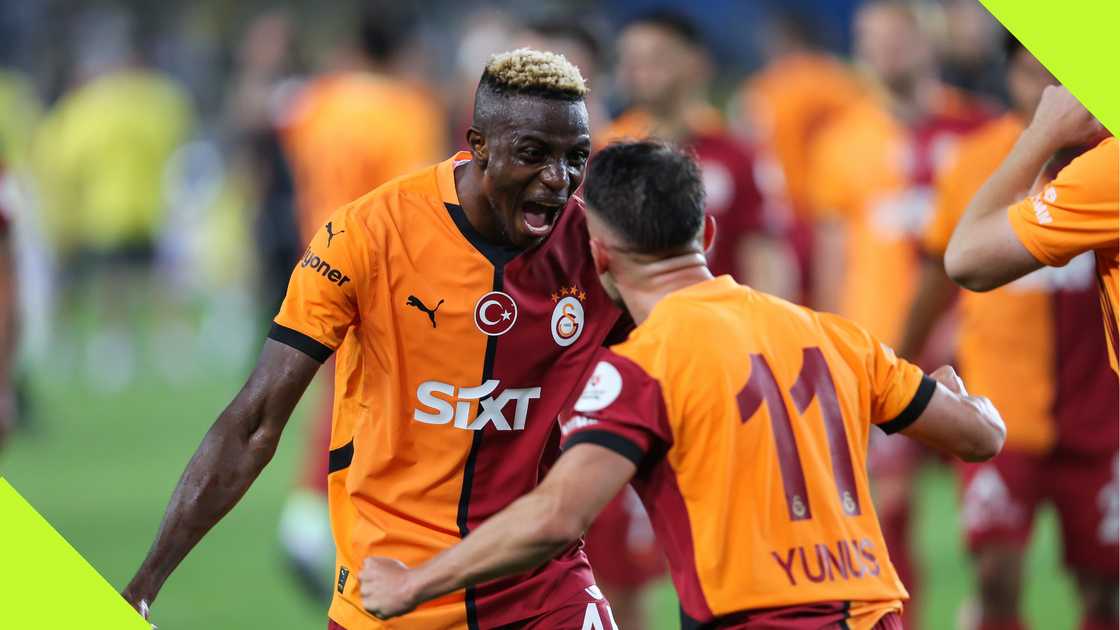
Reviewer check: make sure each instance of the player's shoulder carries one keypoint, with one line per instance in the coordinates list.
(396, 200)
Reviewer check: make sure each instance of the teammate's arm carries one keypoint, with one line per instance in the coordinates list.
(968, 427)
(530, 531)
(233, 453)
(985, 251)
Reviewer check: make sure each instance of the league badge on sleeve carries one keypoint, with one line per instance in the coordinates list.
(602, 389)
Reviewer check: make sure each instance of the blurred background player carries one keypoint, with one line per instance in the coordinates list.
(663, 72)
(366, 119)
(1063, 432)
(784, 106)
(872, 177)
(101, 157)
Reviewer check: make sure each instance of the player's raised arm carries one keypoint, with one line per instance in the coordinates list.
(531, 530)
(985, 252)
(233, 453)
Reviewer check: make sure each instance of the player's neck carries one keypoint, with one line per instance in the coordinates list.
(643, 284)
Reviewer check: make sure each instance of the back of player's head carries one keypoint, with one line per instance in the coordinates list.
(650, 194)
(525, 73)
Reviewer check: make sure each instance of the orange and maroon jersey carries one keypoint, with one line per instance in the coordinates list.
(348, 133)
(1031, 331)
(731, 192)
(1078, 212)
(748, 418)
(455, 357)
(787, 103)
(876, 175)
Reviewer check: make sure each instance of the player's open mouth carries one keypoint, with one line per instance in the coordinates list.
(539, 217)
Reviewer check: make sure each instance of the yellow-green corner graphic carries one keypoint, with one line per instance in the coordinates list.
(1078, 41)
(45, 583)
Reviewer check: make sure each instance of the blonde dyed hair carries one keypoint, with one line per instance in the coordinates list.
(534, 73)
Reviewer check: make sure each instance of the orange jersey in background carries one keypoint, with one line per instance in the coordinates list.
(787, 103)
(748, 418)
(1079, 212)
(455, 358)
(348, 133)
(1030, 331)
(876, 176)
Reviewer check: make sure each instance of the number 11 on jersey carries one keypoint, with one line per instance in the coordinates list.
(814, 381)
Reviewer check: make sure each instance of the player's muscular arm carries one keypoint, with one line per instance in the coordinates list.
(232, 454)
(985, 252)
(968, 427)
(531, 530)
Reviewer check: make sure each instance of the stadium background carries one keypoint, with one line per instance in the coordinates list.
(118, 392)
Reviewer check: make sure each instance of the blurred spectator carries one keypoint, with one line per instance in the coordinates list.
(100, 158)
(872, 173)
(663, 71)
(355, 127)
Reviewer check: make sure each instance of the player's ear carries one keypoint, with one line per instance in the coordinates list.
(600, 255)
(709, 236)
(480, 152)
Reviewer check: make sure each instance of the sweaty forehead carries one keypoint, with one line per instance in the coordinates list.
(553, 120)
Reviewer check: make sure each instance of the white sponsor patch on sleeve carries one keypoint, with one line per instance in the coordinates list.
(602, 388)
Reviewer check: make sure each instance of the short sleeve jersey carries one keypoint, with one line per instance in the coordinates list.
(748, 418)
(875, 176)
(1079, 212)
(455, 357)
(1030, 331)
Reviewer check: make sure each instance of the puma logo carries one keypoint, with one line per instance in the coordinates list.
(331, 233)
(415, 301)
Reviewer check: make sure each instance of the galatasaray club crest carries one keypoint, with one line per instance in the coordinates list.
(567, 315)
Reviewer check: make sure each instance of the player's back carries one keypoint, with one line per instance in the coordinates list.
(761, 495)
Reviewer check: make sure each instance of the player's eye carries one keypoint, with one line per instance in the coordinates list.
(578, 159)
(531, 154)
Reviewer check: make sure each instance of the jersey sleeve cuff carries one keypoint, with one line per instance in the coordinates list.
(610, 441)
(917, 405)
(1022, 229)
(305, 344)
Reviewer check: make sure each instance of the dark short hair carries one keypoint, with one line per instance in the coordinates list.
(649, 193)
(681, 26)
(1011, 46)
